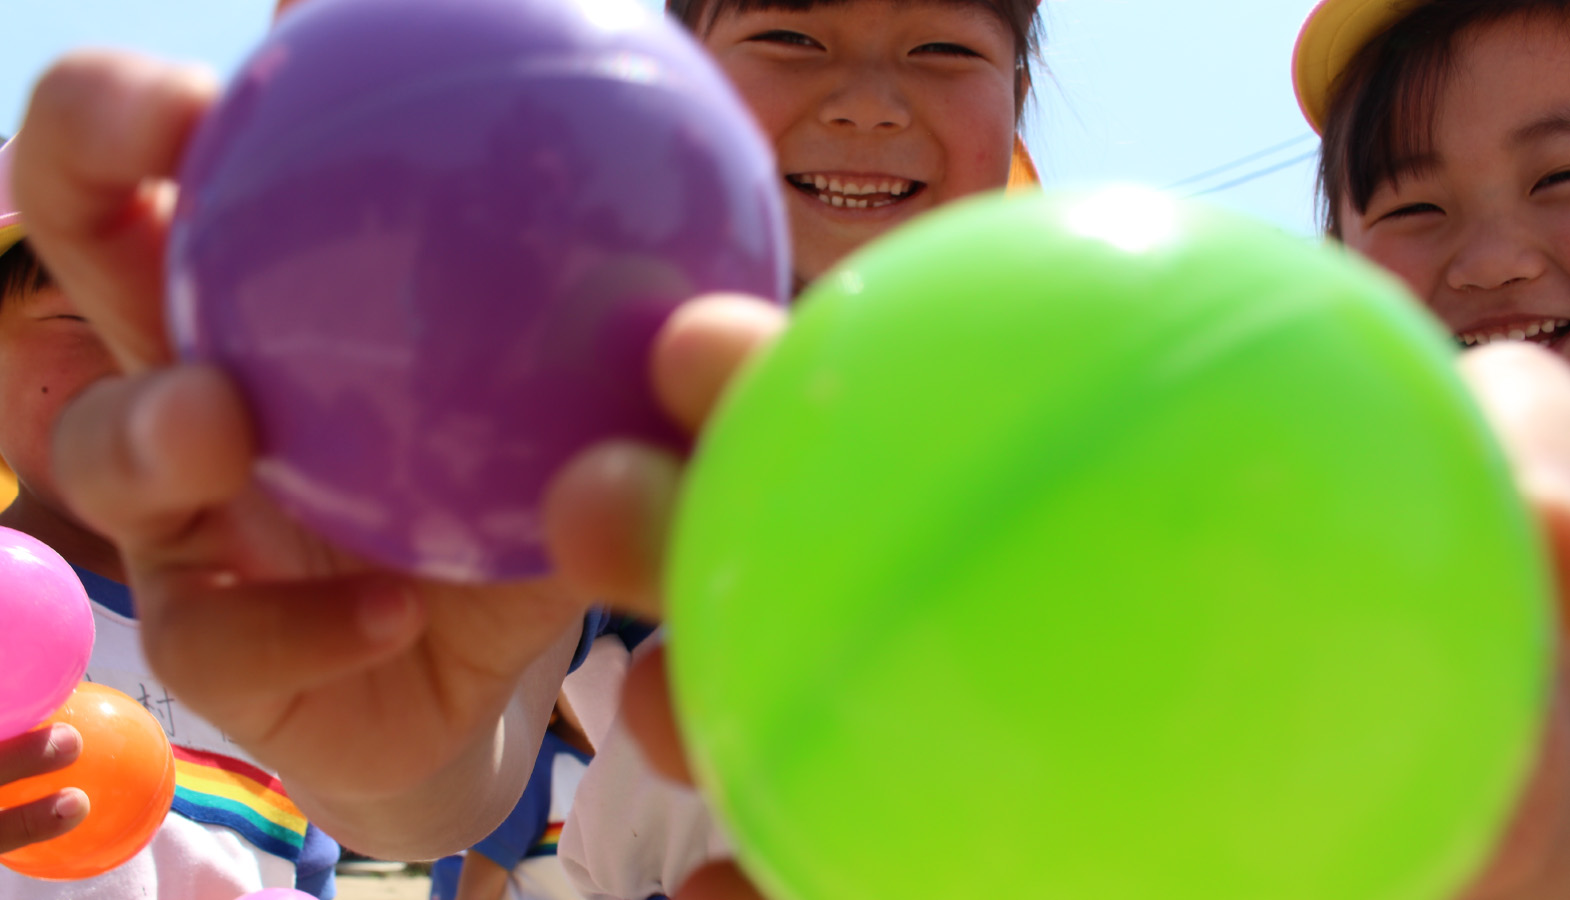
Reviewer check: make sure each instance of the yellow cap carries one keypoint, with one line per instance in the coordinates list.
(10, 219)
(1334, 33)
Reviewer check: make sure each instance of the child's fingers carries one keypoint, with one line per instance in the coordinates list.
(606, 517)
(43, 819)
(1525, 392)
(718, 881)
(38, 751)
(701, 347)
(608, 512)
(34, 753)
(220, 646)
(139, 458)
(647, 714)
(103, 133)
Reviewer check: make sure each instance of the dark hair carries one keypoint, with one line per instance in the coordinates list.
(21, 272)
(1382, 105)
(1020, 15)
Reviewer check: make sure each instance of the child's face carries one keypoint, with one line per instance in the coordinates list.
(1480, 230)
(48, 354)
(878, 110)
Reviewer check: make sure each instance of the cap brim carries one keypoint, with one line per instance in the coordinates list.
(1330, 37)
(11, 232)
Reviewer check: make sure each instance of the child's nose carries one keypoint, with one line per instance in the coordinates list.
(867, 99)
(1495, 254)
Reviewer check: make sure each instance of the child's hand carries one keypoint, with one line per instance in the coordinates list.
(1526, 394)
(34, 753)
(608, 515)
(379, 698)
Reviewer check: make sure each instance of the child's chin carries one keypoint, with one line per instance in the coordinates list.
(816, 254)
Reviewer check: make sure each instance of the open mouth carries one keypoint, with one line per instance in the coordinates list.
(876, 192)
(1541, 331)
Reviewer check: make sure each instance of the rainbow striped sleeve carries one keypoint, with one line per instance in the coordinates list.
(546, 845)
(220, 790)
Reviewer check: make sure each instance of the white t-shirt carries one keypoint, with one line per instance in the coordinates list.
(631, 835)
(232, 831)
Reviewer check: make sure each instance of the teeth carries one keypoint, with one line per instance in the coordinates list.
(850, 194)
(1521, 333)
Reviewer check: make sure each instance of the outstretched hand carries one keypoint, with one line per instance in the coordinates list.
(370, 692)
(609, 513)
(1525, 392)
(615, 544)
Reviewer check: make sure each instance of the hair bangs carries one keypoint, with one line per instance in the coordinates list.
(21, 272)
(1384, 105)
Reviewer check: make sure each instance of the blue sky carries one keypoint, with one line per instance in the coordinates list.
(1150, 91)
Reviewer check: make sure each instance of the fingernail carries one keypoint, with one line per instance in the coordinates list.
(64, 740)
(386, 614)
(73, 804)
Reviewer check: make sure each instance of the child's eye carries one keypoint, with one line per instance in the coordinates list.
(1411, 209)
(943, 48)
(1549, 181)
(781, 36)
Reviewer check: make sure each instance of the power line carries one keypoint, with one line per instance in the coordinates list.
(1240, 161)
(1258, 173)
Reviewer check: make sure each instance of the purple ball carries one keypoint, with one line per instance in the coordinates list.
(432, 240)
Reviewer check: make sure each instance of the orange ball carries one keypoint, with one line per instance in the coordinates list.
(127, 772)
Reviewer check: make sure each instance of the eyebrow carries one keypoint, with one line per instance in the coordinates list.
(1552, 125)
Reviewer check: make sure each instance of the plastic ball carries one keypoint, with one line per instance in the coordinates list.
(1114, 547)
(432, 241)
(278, 894)
(127, 771)
(47, 638)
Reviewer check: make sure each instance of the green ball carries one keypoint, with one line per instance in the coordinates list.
(1107, 548)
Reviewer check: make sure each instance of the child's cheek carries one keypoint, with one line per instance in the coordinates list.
(761, 91)
(1411, 262)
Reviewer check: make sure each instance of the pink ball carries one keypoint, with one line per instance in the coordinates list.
(278, 894)
(47, 633)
